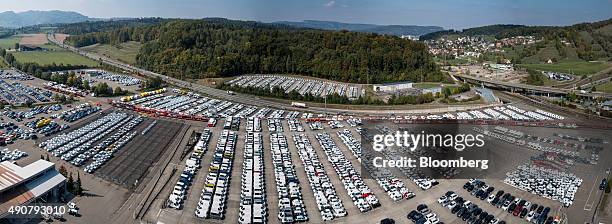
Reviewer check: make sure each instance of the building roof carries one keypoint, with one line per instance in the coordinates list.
(38, 178)
(393, 83)
(12, 175)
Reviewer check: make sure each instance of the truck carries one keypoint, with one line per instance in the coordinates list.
(297, 104)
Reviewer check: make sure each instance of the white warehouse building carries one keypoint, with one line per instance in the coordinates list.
(392, 87)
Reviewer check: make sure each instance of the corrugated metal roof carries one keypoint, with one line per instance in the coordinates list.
(11, 174)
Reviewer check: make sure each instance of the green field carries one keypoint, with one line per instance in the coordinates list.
(9, 42)
(426, 85)
(606, 87)
(3, 64)
(125, 52)
(57, 57)
(578, 67)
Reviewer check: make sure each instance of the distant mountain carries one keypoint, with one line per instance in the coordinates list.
(397, 30)
(11, 19)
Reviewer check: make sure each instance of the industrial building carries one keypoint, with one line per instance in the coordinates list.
(392, 87)
(38, 181)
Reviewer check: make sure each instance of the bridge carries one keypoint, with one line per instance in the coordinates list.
(519, 87)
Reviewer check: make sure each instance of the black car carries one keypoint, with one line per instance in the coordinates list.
(484, 195)
(412, 215)
(499, 193)
(456, 208)
(495, 201)
(470, 188)
(387, 221)
(490, 189)
(477, 211)
(483, 215)
(489, 218)
(466, 185)
(466, 216)
(511, 208)
(524, 213)
(533, 207)
(461, 211)
(421, 207)
(540, 209)
(449, 193)
(603, 184)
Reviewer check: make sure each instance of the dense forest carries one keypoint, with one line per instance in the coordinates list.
(219, 47)
(590, 40)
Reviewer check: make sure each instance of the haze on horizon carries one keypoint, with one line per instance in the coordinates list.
(455, 14)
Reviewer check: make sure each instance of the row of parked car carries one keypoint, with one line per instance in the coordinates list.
(549, 183)
(416, 175)
(325, 195)
(78, 112)
(361, 195)
(275, 125)
(521, 208)
(290, 203)
(253, 204)
(213, 200)
(192, 164)
(102, 152)
(6, 154)
(253, 124)
(422, 215)
(302, 85)
(121, 79)
(14, 75)
(466, 210)
(395, 188)
(295, 125)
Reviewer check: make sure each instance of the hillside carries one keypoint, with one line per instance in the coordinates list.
(397, 30)
(12, 19)
(579, 42)
(219, 48)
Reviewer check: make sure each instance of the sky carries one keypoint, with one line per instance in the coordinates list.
(450, 14)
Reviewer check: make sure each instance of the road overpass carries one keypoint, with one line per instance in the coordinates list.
(519, 87)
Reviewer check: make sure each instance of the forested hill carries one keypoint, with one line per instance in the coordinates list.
(217, 48)
(503, 31)
(397, 30)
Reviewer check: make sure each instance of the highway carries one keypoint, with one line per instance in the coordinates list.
(249, 99)
(530, 88)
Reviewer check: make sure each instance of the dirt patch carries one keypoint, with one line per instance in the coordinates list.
(34, 39)
(61, 37)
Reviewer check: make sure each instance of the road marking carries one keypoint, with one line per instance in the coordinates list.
(589, 197)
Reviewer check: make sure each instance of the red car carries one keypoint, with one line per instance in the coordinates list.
(517, 210)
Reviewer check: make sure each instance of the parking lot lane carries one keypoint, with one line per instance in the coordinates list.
(269, 178)
(314, 216)
(233, 199)
(381, 195)
(351, 209)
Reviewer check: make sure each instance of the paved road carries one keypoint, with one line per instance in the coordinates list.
(541, 89)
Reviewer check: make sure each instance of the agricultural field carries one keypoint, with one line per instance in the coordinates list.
(125, 52)
(34, 39)
(9, 42)
(50, 57)
(577, 67)
(606, 87)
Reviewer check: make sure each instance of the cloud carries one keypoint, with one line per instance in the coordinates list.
(330, 4)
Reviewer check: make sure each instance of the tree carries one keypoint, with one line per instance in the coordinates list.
(63, 171)
(86, 84)
(118, 91)
(78, 187)
(70, 184)
(47, 157)
(42, 157)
